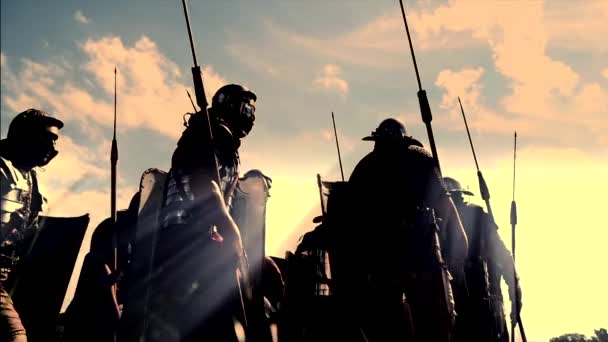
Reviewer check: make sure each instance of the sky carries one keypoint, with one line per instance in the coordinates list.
(538, 68)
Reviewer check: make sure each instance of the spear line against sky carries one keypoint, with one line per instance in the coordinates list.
(532, 66)
(333, 120)
(425, 108)
(513, 224)
(484, 191)
(114, 162)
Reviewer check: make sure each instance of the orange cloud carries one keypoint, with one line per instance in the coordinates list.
(545, 94)
(463, 83)
(150, 93)
(331, 80)
(567, 28)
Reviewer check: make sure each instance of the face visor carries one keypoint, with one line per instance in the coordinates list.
(246, 116)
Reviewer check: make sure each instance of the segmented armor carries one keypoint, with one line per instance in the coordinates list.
(20, 205)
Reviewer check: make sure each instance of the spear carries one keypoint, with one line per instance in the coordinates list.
(483, 187)
(199, 93)
(517, 321)
(114, 162)
(427, 117)
(192, 102)
(337, 145)
(425, 108)
(202, 119)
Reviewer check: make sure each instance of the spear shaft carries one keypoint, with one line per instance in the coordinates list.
(204, 122)
(483, 187)
(440, 274)
(199, 93)
(113, 214)
(114, 162)
(337, 145)
(517, 321)
(425, 108)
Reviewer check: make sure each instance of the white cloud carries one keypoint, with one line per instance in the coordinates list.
(149, 85)
(80, 17)
(331, 79)
(150, 91)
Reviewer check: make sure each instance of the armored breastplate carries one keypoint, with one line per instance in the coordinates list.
(180, 199)
(20, 204)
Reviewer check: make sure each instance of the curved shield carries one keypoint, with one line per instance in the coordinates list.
(151, 189)
(249, 212)
(45, 274)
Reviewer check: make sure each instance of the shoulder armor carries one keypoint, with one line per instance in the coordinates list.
(420, 152)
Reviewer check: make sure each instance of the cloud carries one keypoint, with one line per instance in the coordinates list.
(331, 80)
(81, 18)
(464, 83)
(380, 43)
(542, 92)
(577, 122)
(545, 93)
(517, 36)
(605, 73)
(567, 30)
(151, 93)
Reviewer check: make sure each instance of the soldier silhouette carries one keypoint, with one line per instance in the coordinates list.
(194, 290)
(398, 268)
(481, 315)
(30, 143)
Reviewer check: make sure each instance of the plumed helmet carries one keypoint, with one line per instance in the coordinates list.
(30, 121)
(388, 129)
(235, 105)
(453, 185)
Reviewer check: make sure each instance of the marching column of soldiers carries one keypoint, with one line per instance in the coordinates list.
(397, 254)
(407, 261)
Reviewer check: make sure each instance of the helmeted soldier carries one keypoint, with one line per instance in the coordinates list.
(488, 260)
(198, 245)
(396, 192)
(30, 143)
